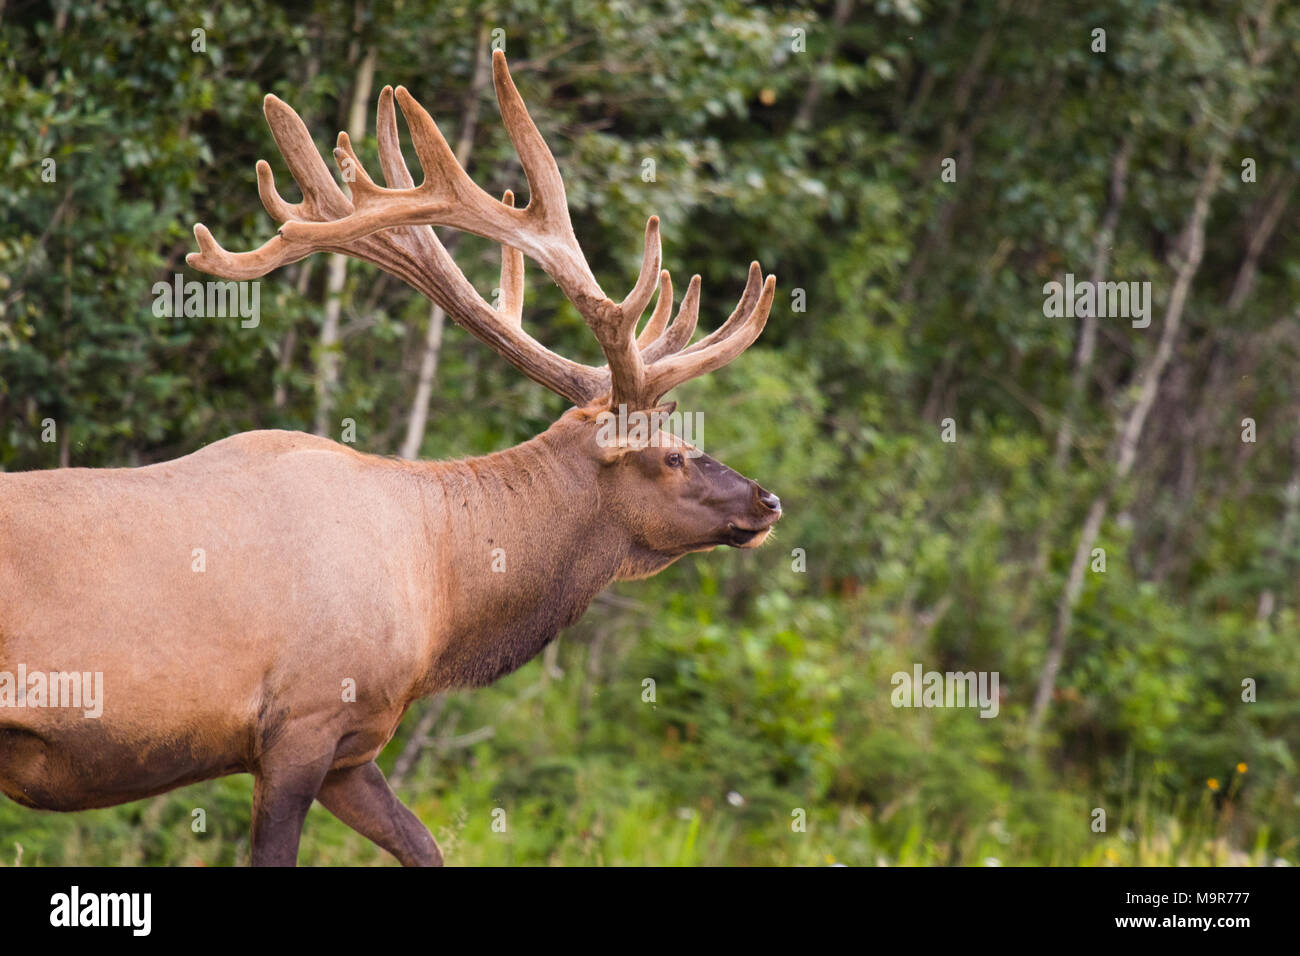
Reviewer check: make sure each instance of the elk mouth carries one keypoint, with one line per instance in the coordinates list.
(739, 536)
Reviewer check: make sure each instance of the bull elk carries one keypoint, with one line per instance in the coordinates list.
(325, 566)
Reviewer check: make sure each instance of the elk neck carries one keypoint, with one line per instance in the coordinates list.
(519, 552)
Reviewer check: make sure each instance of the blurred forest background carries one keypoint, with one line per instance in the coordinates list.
(811, 136)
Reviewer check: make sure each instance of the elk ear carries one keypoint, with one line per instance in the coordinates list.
(619, 432)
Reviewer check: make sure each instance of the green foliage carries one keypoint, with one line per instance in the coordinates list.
(904, 300)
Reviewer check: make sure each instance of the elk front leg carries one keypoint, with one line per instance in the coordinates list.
(361, 798)
(282, 796)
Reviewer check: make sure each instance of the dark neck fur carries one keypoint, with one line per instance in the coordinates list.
(539, 504)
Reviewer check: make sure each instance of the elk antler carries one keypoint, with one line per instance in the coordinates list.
(392, 228)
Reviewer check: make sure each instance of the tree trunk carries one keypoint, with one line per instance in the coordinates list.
(327, 367)
(1127, 443)
(1192, 246)
(419, 417)
(290, 341)
(813, 92)
(1259, 236)
(1088, 334)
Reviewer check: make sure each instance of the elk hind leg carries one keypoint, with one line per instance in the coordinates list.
(361, 798)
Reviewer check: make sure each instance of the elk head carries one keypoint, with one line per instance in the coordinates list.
(669, 499)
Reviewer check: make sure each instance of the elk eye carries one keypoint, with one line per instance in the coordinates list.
(674, 460)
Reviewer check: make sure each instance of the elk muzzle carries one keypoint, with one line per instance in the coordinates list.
(751, 529)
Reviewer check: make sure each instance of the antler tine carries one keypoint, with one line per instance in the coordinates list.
(512, 277)
(753, 286)
(212, 258)
(272, 201)
(659, 318)
(648, 279)
(670, 372)
(672, 343)
(396, 173)
(547, 198)
(321, 196)
(683, 327)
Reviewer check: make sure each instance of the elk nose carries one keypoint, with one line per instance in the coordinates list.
(769, 500)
